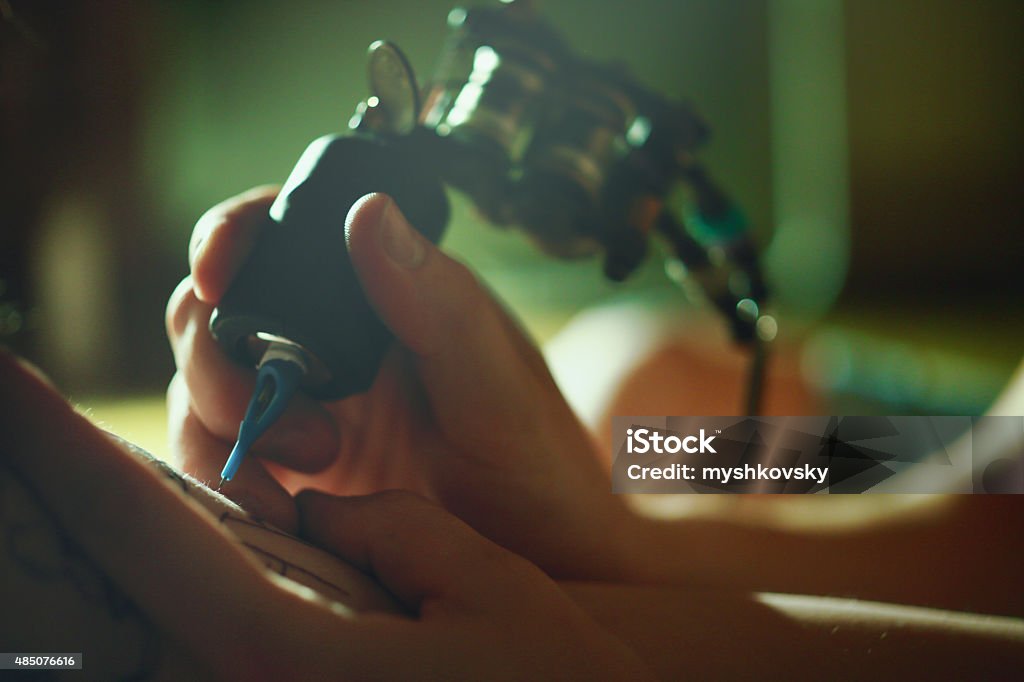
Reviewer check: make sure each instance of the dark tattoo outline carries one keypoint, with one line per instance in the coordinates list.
(77, 568)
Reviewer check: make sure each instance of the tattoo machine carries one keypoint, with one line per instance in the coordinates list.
(575, 153)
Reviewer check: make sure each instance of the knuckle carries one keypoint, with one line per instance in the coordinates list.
(514, 564)
(399, 500)
(179, 308)
(401, 514)
(470, 301)
(464, 278)
(176, 391)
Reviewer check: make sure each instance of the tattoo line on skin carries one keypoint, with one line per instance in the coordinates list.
(74, 566)
(239, 516)
(286, 566)
(184, 481)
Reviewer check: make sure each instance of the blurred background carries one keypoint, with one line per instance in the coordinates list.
(875, 144)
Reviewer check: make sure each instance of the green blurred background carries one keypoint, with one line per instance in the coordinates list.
(876, 145)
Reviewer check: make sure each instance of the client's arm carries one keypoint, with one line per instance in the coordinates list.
(107, 556)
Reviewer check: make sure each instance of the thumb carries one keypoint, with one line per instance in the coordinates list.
(474, 361)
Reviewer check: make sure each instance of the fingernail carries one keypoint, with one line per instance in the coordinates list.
(399, 240)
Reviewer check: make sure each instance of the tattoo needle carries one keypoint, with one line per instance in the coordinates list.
(281, 370)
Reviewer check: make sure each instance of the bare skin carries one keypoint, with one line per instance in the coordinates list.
(184, 596)
(466, 413)
(208, 605)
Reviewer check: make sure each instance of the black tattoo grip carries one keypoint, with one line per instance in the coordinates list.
(299, 283)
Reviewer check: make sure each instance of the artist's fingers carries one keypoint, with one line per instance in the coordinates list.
(414, 547)
(484, 613)
(304, 438)
(469, 353)
(198, 453)
(223, 238)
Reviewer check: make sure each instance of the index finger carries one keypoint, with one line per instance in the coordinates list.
(415, 548)
(223, 238)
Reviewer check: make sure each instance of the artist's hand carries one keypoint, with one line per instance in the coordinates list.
(463, 411)
(484, 613)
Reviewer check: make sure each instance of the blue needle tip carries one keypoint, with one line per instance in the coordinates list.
(280, 374)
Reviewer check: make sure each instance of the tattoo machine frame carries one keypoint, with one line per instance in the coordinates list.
(575, 153)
